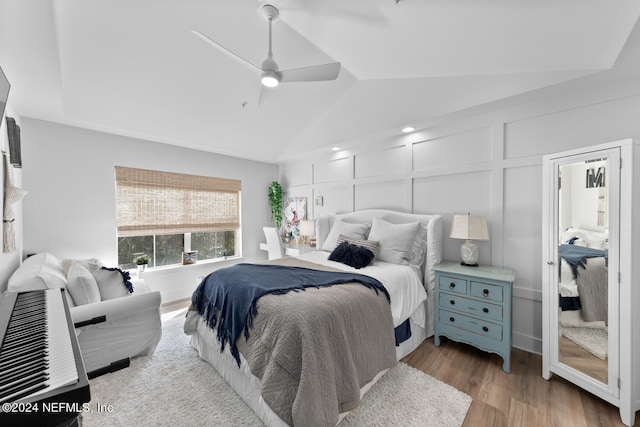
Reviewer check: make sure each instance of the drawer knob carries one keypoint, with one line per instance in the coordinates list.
(452, 302)
(485, 310)
(452, 285)
(452, 319)
(484, 328)
(485, 292)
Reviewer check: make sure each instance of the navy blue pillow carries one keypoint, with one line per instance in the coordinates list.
(352, 255)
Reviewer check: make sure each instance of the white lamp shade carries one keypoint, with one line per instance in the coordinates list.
(470, 227)
(307, 228)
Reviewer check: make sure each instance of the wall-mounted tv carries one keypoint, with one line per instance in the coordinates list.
(4, 92)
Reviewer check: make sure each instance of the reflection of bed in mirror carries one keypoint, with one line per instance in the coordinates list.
(584, 290)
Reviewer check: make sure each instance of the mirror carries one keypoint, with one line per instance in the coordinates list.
(583, 276)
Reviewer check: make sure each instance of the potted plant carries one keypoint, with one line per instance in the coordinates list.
(142, 262)
(275, 201)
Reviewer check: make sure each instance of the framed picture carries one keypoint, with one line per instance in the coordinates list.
(295, 211)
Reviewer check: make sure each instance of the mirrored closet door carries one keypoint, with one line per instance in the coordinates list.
(581, 272)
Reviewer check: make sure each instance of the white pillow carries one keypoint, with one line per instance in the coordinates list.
(82, 285)
(110, 284)
(581, 238)
(348, 229)
(395, 239)
(89, 263)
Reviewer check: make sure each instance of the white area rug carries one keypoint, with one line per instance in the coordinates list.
(593, 340)
(174, 387)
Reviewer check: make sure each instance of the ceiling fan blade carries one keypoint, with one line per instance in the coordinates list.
(311, 74)
(227, 51)
(260, 95)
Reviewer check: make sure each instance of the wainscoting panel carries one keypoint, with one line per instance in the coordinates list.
(522, 243)
(462, 148)
(333, 170)
(523, 224)
(338, 199)
(527, 326)
(456, 194)
(383, 162)
(574, 128)
(382, 195)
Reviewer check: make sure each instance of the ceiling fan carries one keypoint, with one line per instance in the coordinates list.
(270, 73)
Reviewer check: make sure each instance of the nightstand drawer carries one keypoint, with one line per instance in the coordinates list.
(470, 324)
(452, 284)
(485, 290)
(474, 307)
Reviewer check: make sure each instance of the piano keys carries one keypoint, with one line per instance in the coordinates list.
(41, 366)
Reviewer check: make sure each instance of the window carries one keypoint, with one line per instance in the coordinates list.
(162, 214)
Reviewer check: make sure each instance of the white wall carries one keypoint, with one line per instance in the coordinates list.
(487, 164)
(10, 261)
(70, 209)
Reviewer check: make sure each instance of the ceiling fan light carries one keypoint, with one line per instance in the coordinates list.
(270, 78)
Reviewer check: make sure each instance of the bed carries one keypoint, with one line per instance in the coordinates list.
(393, 323)
(583, 278)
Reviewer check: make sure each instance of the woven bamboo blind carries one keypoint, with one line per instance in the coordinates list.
(153, 202)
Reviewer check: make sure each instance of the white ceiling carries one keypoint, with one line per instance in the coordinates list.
(133, 67)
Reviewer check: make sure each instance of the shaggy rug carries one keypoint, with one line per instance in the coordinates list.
(174, 387)
(593, 340)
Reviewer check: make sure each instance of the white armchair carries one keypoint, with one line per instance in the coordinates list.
(110, 331)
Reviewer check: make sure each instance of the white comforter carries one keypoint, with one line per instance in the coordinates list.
(403, 284)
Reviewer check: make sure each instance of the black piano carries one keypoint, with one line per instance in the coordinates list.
(43, 381)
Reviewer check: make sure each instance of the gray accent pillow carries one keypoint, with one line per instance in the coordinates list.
(374, 247)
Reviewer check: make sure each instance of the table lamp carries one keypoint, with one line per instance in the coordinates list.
(469, 227)
(307, 231)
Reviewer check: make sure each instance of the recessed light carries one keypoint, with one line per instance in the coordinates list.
(408, 129)
(335, 148)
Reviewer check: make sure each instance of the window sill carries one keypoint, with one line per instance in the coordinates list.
(177, 267)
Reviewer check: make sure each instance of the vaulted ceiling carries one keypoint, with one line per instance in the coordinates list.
(133, 67)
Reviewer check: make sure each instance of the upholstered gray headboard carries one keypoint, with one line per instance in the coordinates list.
(433, 255)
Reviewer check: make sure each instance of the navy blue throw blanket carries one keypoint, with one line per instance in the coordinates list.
(227, 297)
(577, 256)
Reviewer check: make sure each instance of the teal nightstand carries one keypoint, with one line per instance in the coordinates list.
(473, 305)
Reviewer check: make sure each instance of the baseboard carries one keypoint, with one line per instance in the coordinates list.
(527, 343)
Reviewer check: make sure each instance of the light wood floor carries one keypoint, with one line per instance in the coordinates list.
(580, 359)
(519, 399)
(522, 398)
